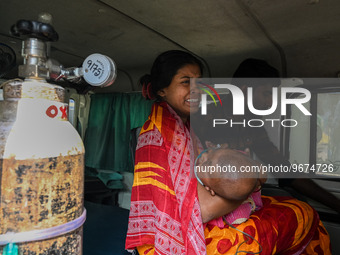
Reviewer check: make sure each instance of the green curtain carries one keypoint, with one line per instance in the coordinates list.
(139, 110)
(111, 118)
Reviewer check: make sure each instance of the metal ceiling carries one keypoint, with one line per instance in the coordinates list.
(299, 37)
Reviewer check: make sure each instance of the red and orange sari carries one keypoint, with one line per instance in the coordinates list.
(165, 215)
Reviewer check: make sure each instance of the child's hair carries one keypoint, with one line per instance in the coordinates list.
(164, 69)
(231, 181)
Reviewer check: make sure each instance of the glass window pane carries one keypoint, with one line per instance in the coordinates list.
(328, 131)
(299, 140)
(71, 111)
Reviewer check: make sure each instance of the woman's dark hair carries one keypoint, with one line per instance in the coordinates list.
(164, 69)
(255, 68)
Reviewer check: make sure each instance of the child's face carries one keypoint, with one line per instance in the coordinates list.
(182, 96)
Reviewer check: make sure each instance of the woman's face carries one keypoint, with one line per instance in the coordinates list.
(182, 96)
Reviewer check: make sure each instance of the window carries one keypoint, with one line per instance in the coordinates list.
(316, 139)
(71, 112)
(328, 130)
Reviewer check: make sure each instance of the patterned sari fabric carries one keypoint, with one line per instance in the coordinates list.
(283, 226)
(165, 214)
(164, 209)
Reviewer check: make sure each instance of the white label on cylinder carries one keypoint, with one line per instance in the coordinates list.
(41, 130)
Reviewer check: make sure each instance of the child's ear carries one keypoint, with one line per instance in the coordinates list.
(224, 146)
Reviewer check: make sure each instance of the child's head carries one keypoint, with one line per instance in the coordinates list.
(230, 178)
(170, 81)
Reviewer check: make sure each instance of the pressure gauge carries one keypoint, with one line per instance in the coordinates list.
(99, 70)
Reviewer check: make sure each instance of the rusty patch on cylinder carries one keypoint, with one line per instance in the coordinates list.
(12, 90)
(41, 193)
(34, 90)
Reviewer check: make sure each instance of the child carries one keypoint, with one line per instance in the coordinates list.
(227, 173)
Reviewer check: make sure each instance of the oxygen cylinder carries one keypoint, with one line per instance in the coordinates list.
(41, 154)
(41, 171)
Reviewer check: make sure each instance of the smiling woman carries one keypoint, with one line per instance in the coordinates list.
(182, 96)
(162, 191)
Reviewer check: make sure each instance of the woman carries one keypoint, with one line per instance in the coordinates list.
(168, 205)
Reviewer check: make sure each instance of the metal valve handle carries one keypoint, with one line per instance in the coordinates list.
(35, 29)
(97, 69)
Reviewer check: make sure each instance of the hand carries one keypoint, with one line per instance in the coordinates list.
(210, 190)
(211, 145)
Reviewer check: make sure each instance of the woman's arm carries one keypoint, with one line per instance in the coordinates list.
(213, 207)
